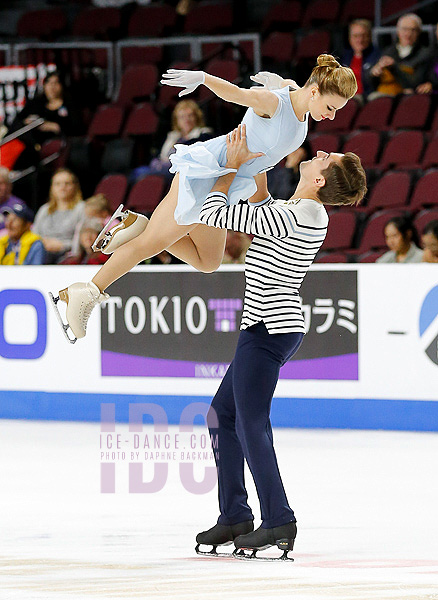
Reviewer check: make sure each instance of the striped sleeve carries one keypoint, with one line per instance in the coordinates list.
(268, 219)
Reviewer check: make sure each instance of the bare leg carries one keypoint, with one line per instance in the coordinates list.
(203, 250)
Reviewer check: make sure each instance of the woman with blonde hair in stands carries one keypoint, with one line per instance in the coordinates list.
(56, 220)
(276, 123)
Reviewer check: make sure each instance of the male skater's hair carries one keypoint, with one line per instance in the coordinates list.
(345, 182)
(332, 78)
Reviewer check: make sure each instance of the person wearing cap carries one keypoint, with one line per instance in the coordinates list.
(7, 199)
(20, 245)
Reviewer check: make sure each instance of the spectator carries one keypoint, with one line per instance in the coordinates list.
(404, 65)
(361, 55)
(188, 127)
(7, 199)
(431, 85)
(85, 255)
(236, 245)
(402, 240)
(53, 105)
(56, 220)
(19, 245)
(429, 240)
(98, 207)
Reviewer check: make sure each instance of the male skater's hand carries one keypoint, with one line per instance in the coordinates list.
(238, 152)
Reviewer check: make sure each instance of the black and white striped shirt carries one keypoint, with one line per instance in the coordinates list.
(287, 236)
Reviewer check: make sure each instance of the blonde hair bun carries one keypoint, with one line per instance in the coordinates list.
(327, 60)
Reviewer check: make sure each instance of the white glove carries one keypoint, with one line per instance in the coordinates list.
(186, 79)
(268, 80)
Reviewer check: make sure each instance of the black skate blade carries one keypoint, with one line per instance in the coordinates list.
(212, 553)
(241, 554)
(54, 301)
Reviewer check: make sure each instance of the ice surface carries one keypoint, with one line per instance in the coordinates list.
(366, 504)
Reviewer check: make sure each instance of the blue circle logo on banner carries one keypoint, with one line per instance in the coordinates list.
(429, 324)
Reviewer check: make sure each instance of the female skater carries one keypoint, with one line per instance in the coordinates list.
(287, 236)
(276, 122)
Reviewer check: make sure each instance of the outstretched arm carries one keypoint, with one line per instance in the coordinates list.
(263, 101)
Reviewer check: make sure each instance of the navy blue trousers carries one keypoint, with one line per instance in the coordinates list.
(239, 417)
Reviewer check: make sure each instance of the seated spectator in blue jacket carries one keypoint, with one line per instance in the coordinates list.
(19, 245)
(361, 55)
(7, 199)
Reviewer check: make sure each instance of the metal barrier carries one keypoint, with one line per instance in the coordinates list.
(7, 49)
(77, 45)
(195, 43)
(380, 31)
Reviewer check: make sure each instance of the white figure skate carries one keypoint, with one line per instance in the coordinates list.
(130, 226)
(80, 298)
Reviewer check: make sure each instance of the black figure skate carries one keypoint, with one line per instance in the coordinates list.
(221, 535)
(283, 537)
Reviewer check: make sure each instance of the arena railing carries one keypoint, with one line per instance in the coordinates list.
(77, 45)
(392, 31)
(7, 49)
(194, 42)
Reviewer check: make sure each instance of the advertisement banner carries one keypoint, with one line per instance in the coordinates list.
(187, 325)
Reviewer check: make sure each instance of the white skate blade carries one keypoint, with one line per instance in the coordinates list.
(65, 327)
(132, 225)
(118, 213)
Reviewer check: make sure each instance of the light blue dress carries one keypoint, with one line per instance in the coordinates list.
(200, 164)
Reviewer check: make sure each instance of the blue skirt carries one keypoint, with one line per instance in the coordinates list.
(199, 165)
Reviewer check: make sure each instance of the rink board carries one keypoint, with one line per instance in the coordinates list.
(369, 360)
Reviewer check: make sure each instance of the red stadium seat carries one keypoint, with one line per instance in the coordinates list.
(107, 121)
(370, 257)
(434, 127)
(142, 120)
(403, 151)
(366, 144)
(328, 142)
(357, 9)
(54, 153)
(43, 24)
(342, 227)
(114, 188)
(138, 84)
(319, 12)
(391, 191)
(312, 45)
(343, 120)
(278, 46)
(140, 55)
(394, 7)
(209, 18)
(375, 114)
(146, 194)
(282, 16)
(98, 23)
(373, 235)
(412, 112)
(332, 257)
(430, 158)
(425, 192)
(151, 21)
(425, 217)
(225, 69)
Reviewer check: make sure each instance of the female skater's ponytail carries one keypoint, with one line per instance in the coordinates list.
(333, 78)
